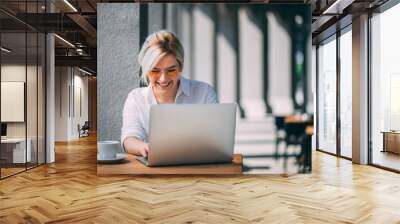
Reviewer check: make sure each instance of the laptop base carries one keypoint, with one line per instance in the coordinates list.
(143, 160)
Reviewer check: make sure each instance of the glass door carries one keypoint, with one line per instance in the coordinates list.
(13, 103)
(327, 95)
(22, 78)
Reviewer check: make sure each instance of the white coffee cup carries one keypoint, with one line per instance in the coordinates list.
(108, 150)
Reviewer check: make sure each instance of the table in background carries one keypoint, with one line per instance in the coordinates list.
(298, 131)
(13, 150)
(391, 141)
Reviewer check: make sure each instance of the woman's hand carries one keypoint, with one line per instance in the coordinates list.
(136, 147)
(144, 150)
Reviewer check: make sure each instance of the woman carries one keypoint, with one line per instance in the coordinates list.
(161, 60)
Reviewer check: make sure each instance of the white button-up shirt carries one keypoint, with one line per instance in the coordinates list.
(135, 116)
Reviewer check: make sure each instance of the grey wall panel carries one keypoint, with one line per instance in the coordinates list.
(118, 70)
(155, 17)
(251, 54)
(226, 55)
(203, 43)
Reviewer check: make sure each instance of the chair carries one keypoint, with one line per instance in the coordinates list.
(304, 158)
(84, 130)
(295, 132)
(279, 132)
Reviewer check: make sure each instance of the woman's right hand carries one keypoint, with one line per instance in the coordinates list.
(144, 150)
(136, 147)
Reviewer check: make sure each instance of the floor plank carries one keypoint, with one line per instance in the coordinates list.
(69, 191)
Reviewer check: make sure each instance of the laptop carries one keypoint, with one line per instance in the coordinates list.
(182, 134)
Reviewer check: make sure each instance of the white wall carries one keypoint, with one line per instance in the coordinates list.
(14, 73)
(61, 103)
(33, 126)
(68, 82)
(80, 82)
(17, 73)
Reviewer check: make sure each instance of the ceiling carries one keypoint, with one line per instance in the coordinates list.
(76, 22)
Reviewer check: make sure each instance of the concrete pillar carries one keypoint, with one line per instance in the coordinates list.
(360, 90)
(155, 17)
(185, 34)
(50, 110)
(50, 92)
(279, 67)
(203, 43)
(251, 59)
(117, 67)
(171, 17)
(263, 24)
(226, 55)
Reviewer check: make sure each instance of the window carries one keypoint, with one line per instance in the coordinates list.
(327, 95)
(385, 88)
(346, 92)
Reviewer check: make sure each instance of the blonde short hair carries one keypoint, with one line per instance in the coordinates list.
(156, 46)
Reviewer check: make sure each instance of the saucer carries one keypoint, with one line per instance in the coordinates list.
(119, 158)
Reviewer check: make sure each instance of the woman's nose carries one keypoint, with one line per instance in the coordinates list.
(163, 77)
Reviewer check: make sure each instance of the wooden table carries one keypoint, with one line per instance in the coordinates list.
(133, 167)
(15, 152)
(310, 130)
(391, 141)
(297, 119)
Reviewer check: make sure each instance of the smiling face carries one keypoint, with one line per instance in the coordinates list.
(165, 75)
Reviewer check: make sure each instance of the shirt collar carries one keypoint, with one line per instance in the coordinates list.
(150, 96)
(184, 88)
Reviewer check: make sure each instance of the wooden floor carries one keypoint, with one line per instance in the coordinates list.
(70, 192)
(10, 171)
(5, 172)
(386, 159)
